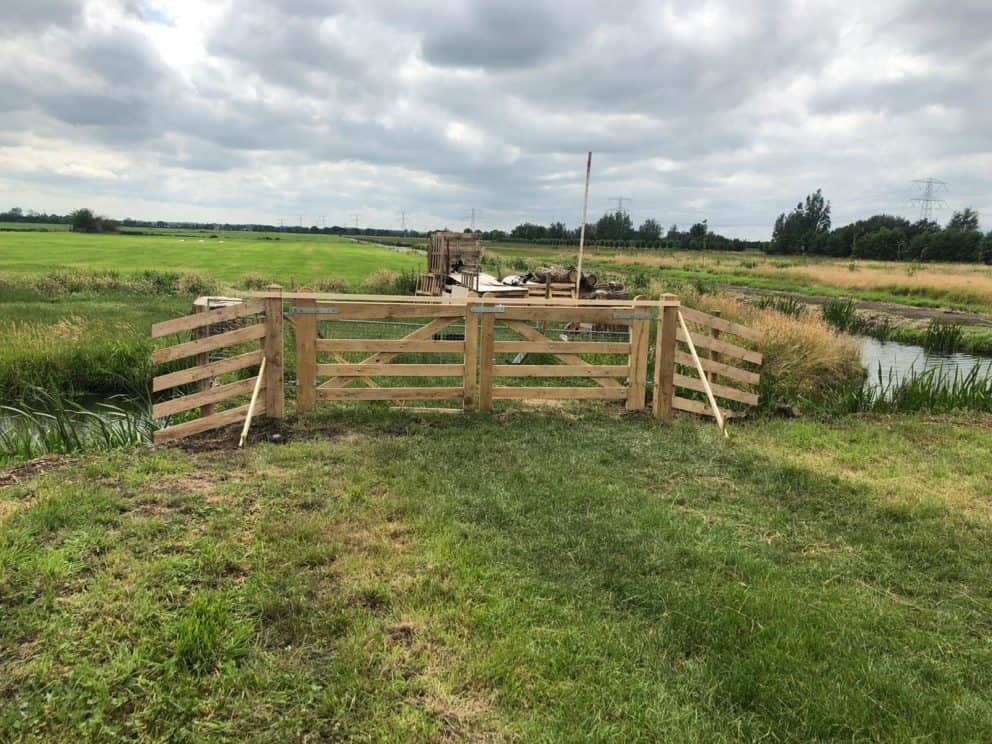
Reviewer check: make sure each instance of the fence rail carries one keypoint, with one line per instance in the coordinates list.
(472, 350)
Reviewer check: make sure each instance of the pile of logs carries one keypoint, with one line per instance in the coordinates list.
(590, 287)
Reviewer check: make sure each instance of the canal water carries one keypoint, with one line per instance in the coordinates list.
(897, 361)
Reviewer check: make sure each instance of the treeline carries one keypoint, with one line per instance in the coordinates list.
(883, 237)
(84, 220)
(616, 230)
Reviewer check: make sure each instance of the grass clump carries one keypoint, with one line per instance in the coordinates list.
(843, 315)
(53, 424)
(76, 282)
(790, 306)
(387, 281)
(804, 359)
(73, 357)
(935, 390)
(943, 338)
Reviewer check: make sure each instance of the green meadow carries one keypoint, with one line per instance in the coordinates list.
(225, 256)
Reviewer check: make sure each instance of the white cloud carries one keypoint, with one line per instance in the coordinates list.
(261, 110)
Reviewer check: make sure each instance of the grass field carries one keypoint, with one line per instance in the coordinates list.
(565, 576)
(76, 309)
(227, 256)
(956, 286)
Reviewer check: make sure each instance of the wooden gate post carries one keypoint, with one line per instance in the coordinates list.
(305, 325)
(640, 335)
(273, 349)
(487, 354)
(664, 363)
(471, 397)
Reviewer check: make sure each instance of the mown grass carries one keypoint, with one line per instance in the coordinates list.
(226, 256)
(523, 576)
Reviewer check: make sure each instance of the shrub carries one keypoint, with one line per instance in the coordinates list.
(331, 284)
(385, 281)
(252, 280)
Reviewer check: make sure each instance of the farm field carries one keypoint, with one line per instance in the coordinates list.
(225, 256)
(956, 286)
(76, 309)
(357, 581)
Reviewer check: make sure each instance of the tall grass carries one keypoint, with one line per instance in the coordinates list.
(843, 315)
(934, 390)
(943, 338)
(61, 283)
(53, 424)
(73, 357)
(786, 305)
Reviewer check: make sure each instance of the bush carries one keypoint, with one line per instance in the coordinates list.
(252, 280)
(331, 284)
(385, 281)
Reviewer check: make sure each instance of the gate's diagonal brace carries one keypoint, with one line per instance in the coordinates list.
(418, 335)
(531, 335)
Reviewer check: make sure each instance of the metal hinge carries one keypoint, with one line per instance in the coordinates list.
(635, 316)
(316, 310)
(487, 308)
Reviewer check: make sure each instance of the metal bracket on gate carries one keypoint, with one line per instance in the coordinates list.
(635, 316)
(316, 310)
(487, 308)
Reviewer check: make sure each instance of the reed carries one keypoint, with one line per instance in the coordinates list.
(934, 390)
(52, 424)
(943, 338)
(790, 306)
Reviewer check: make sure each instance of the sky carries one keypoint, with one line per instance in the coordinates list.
(337, 111)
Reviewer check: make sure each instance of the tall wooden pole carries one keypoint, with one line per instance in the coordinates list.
(582, 230)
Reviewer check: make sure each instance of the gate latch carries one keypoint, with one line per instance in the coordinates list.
(316, 310)
(635, 316)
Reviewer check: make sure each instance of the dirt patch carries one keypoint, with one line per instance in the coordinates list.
(276, 431)
(402, 633)
(180, 484)
(30, 469)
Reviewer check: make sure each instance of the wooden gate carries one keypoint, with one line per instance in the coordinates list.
(359, 347)
(325, 371)
(598, 350)
(255, 323)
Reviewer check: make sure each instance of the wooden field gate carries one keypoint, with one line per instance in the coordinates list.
(367, 348)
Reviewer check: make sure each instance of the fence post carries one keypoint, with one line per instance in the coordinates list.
(714, 355)
(273, 349)
(471, 358)
(640, 335)
(486, 362)
(203, 359)
(664, 364)
(305, 325)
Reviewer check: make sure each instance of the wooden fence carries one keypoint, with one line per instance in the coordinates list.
(463, 349)
(261, 326)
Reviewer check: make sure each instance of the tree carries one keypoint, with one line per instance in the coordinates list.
(805, 228)
(614, 226)
(83, 220)
(966, 219)
(650, 229)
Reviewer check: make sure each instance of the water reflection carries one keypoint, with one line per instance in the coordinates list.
(900, 360)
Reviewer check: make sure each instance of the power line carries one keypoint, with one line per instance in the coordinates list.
(928, 201)
(620, 200)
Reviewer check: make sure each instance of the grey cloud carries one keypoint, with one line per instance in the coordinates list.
(489, 98)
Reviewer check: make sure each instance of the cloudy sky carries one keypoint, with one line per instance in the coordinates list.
(251, 110)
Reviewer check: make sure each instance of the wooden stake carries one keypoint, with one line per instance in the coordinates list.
(582, 230)
(702, 376)
(251, 406)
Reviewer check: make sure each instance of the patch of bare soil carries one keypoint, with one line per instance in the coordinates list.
(30, 469)
(226, 438)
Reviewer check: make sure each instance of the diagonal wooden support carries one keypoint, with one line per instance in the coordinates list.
(531, 335)
(421, 333)
(339, 358)
(720, 421)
